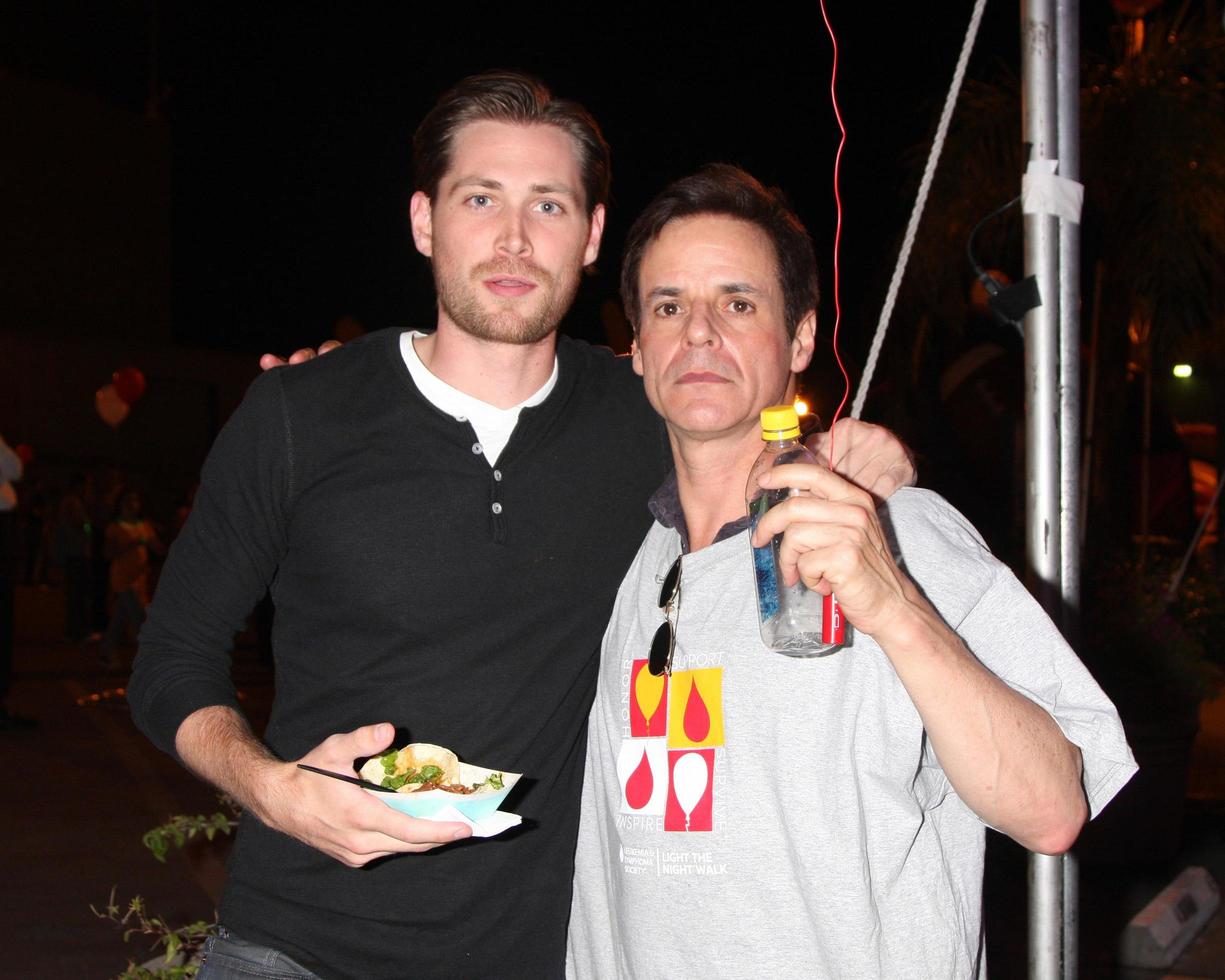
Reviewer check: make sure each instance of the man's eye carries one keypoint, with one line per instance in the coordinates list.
(668, 309)
(480, 200)
(549, 207)
(740, 306)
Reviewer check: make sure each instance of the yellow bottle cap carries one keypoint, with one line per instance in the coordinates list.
(779, 422)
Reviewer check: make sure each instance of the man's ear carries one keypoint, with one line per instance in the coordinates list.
(804, 341)
(636, 357)
(421, 215)
(594, 235)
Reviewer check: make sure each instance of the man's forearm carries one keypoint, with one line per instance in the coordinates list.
(1004, 755)
(217, 744)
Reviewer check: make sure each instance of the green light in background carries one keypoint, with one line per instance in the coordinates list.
(1182, 370)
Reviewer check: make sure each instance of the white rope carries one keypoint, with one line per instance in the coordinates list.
(916, 213)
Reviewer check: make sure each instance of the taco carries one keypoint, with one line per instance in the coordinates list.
(421, 767)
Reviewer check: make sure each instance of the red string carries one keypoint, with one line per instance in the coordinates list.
(833, 95)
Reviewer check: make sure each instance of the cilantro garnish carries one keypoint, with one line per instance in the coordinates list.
(428, 774)
(493, 781)
(395, 782)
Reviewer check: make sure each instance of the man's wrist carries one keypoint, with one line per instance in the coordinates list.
(217, 744)
(908, 629)
(266, 788)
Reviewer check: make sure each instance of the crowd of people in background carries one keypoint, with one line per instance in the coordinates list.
(87, 535)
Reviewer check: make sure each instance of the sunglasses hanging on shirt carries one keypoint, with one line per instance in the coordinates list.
(664, 643)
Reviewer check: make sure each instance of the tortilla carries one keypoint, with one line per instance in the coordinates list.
(412, 762)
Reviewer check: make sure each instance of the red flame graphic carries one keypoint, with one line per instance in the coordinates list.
(697, 715)
(640, 785)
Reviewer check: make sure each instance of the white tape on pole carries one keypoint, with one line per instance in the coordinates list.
(1043, 191)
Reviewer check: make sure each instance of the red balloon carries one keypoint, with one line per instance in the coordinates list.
(129, 383)
(111, 408)
(25, 452)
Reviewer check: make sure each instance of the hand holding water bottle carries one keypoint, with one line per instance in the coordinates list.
(829, 537)
(793, 620)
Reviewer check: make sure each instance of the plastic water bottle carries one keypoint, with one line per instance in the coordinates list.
(794, 620)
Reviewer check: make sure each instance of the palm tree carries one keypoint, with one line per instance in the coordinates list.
(1153, 165)
(1154, 141)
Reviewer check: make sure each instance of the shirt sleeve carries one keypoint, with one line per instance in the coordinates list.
(219, 567)
(1012, 635)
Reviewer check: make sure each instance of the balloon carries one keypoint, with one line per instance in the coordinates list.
(648, 692)
(111, 408)
(129, 382)
(689, 778)
(25, 452)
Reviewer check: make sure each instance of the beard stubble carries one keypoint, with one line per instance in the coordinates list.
(460, 297)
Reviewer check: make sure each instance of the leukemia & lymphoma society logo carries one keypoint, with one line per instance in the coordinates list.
(666, 767)
(662, 861)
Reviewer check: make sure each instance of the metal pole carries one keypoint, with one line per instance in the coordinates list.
(1067, 60)
(1068, 80)
(1044, 530)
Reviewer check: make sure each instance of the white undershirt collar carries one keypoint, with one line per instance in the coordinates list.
(493, 425)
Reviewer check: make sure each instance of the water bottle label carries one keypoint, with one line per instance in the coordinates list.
(833, 628)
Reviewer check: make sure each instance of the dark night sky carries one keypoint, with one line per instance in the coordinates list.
(290, 131)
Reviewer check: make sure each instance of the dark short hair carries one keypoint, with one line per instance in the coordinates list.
(722, 189)
(513, 97)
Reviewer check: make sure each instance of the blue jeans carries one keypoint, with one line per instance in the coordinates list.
(226, 957)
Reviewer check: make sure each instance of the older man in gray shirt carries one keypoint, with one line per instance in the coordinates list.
(748, 814)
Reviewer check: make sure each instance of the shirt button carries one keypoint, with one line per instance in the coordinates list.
(497, 508)
(476, 449)
(497, 475)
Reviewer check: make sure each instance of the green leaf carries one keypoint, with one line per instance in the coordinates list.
(427, 775)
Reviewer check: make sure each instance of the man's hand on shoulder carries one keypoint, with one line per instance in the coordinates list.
(269, 361)
(870, 456)
(343, 821)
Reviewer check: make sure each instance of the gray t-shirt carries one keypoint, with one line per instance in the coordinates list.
(760, 815)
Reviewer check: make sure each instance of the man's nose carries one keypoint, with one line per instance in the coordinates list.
(702, 326)
(513, 238)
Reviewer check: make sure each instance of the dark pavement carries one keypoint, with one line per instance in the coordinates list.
(83, 787)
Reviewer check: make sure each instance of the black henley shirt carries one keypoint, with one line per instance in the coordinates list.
(416, 584)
